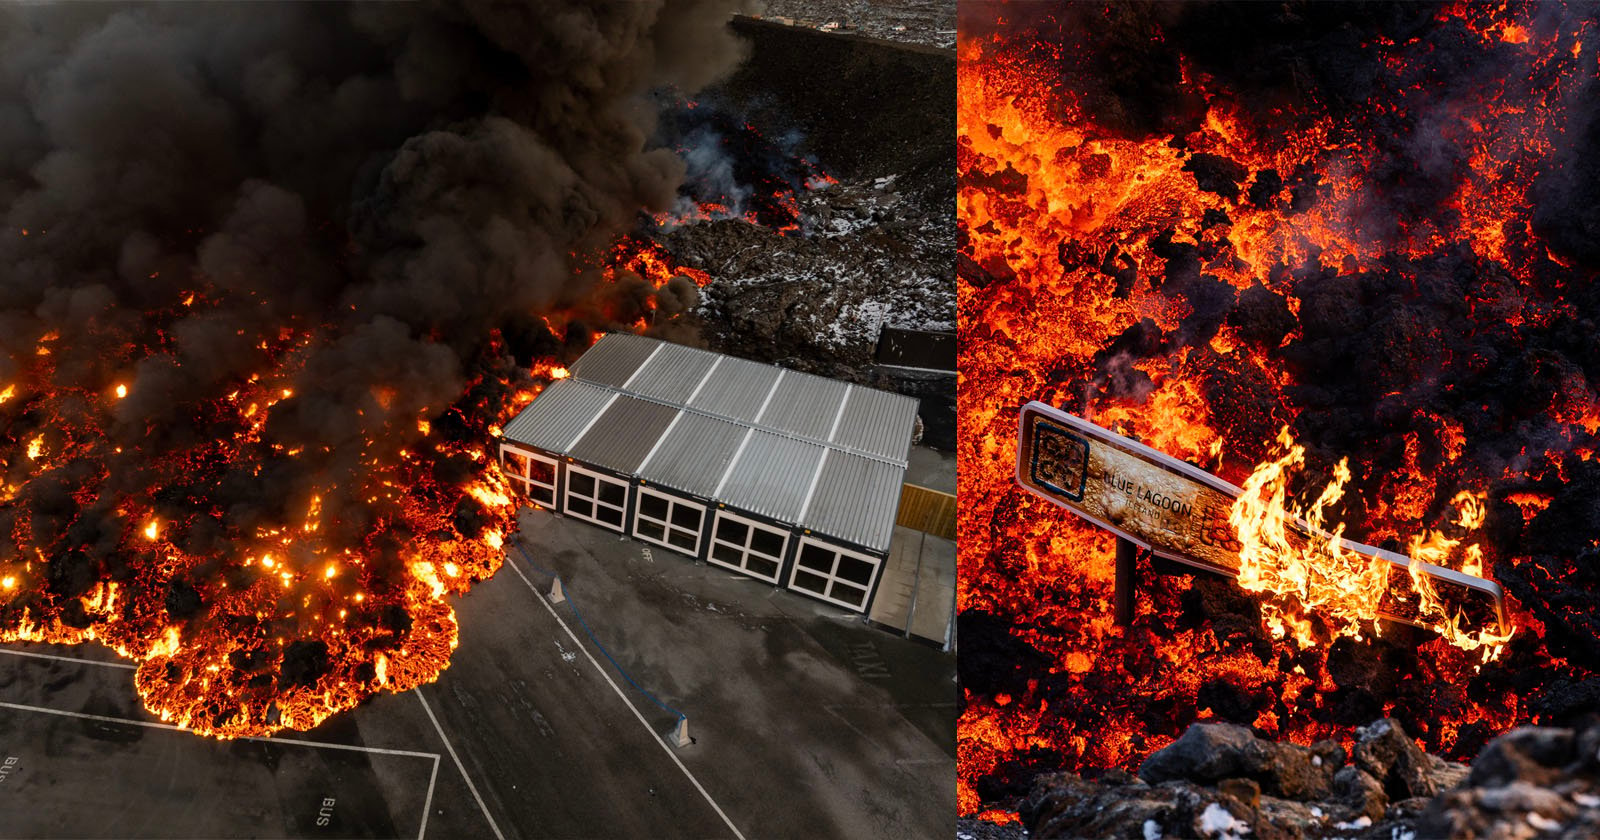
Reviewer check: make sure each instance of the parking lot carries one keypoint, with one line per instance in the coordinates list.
(807, 722)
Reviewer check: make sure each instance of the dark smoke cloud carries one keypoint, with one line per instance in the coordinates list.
(397, 181)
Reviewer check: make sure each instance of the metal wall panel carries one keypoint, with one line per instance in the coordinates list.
(558, 415)
(624, 434)
(614, 359)
(878, 423)
(855, 500)
(694, 454)
(772, 476)
(805, 405)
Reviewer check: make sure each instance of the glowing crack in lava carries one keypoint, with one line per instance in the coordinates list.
(1199, 225)
(268, 292)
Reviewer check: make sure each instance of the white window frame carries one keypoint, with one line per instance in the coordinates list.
(831, 576)
(594, 501)
(527, 481)
(745, 551)
(668, 527)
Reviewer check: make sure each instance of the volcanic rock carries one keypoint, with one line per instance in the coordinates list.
(1386, 753)
(1211, 752)
(1218, 780)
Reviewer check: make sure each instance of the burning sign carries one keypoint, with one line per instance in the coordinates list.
(1185, 514)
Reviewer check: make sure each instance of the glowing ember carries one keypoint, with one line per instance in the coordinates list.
(1195, 251)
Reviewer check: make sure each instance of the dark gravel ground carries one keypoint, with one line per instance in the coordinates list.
(928, 22)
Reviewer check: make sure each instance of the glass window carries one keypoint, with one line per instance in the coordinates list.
(854, 570)
(582, 484)
(817, 557)
(542, 471)
(810, 582)
(610, 515)
(516, 464)
(653, 506)
(847, 593)
(613, 493)
(726, 553)
(686, 540)
(767, 542)
(651, 530)
(730, 530)
(684, 516)
(758, 566)
(581, 507)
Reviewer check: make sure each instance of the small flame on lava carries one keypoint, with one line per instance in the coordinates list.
(1318, 575)
(1300, 576)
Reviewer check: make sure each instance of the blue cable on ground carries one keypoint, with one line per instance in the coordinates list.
(590, 634)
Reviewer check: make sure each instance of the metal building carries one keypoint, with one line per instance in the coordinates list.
(787, 477)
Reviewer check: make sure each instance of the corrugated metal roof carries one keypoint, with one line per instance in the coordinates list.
(805, 405)
(624, 434)
(615, 358)
(737, 389)
(558, 415)
(694, 454)
(855, 500)
(772, 476)
(686, 419)
(877, 422)
(672, 374)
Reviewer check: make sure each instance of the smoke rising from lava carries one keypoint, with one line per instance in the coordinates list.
(267, 270)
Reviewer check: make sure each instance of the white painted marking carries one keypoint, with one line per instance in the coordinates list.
(614, 687)
(427, 805)
(123, 665)
(459, 766)
(433, 776)
(150, 724)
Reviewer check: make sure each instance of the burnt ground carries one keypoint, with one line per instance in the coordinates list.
(874, 249)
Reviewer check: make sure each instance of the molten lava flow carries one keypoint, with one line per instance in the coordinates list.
(299, 622)
(1197, 252)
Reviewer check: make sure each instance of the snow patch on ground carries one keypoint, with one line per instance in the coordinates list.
(1217, 822)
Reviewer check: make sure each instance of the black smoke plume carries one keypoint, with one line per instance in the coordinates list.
(291, 232)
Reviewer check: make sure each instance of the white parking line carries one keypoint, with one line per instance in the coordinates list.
(128, 666)
(457, 759)
(539, 596)
(427, 804)
(150, 724)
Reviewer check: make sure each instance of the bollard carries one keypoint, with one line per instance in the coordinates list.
(557, 595)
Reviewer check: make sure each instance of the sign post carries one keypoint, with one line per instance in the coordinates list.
(1180, 512)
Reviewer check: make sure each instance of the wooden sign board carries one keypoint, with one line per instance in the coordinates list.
(1180, 512)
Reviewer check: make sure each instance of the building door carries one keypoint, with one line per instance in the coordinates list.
(531, 473)
(596, 497)
(748, 546)
(836, 575)
(669, 521)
